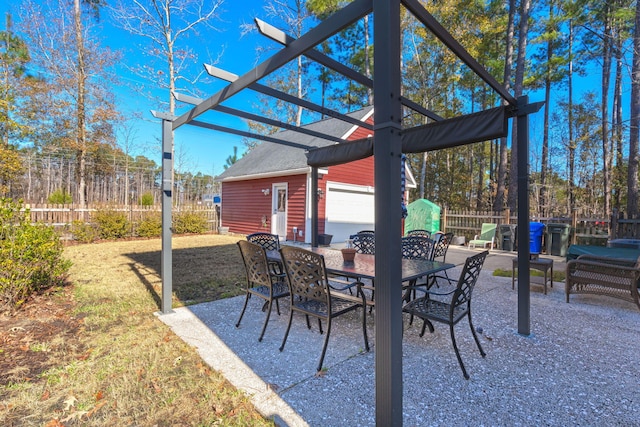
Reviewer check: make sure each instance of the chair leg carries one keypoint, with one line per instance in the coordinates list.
(320, 325)
(246, 301)
(364, 327)
(266, 320)
(286, 334)
(426, 323)
(455, 347)
(324, 346)
(475, 336)
(278, 306)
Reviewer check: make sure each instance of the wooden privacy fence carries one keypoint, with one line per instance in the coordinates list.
(63, 215)
(624, 228)
(593, 231)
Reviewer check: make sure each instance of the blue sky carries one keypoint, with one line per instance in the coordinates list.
(199, 149)
(206, 150)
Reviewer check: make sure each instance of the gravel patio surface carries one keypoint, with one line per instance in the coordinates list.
(579, 366)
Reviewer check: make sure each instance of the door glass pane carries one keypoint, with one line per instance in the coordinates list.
(282, 199)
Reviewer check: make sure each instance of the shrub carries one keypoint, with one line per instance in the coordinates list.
(111, 224)
(60, 197)
(150, 225)
(189, 222)
(83, 231)
(146, 199)
(30, 256)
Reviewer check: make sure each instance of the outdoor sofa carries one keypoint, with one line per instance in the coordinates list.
(614, 277)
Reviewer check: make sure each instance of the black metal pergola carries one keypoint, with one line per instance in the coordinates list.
(389, 142)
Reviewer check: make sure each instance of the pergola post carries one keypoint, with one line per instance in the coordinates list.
(387, 152)
(313, 198)
(524, 291)
(166, 268)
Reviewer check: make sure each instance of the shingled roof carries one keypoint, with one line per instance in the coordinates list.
(269, 158)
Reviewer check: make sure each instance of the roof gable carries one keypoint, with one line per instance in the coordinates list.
(271, 158)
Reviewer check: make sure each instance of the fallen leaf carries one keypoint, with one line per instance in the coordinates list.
(321, 373)
(75, 416)
(54, 423)
(96, 409)
(71, 401)
(85, 355)
(45, 395)
(99, 395)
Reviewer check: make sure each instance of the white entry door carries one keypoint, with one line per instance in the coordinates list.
(279, 209)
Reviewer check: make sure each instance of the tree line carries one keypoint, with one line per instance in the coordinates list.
(56, 96)
(583, 156)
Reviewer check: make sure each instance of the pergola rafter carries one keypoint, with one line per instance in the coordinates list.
(266, 90)
(281, 37)
(389, 141)
(256, 118)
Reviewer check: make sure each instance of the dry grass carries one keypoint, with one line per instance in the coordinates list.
(129, 368)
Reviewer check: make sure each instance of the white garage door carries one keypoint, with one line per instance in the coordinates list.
(350, 208)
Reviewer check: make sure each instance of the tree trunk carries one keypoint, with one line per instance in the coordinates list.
(517, 88)
(572, 143)
(81, 137)
(501, 179)
(606, 78)
(616, 122)
(632, 177)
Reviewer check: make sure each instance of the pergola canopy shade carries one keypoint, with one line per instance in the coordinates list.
(475, 127)
(340, 153)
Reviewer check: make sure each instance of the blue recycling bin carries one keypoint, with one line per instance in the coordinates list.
(536, 230)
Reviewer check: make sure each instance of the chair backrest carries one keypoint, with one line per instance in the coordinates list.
(307, 274)
(423, 233)
(255, 264)
(417, 247)
(441, 245)
(364, 243)
(488, 231)
(366, 232)
(468, 279)
(270, 242)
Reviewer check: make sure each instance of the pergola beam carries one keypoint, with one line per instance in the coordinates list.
(336, 22)
(256, 118)
(266, 90)
(248, 134)
(283, 38)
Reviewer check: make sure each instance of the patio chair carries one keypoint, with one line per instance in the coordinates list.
(441, 244)
(452, 305)
(365, 243)
(311, 294)
(270, 242)
(260, 281)
(486, 237)
(416, 247)
(423, 233)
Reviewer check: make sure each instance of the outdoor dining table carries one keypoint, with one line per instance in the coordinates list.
(364, 265)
